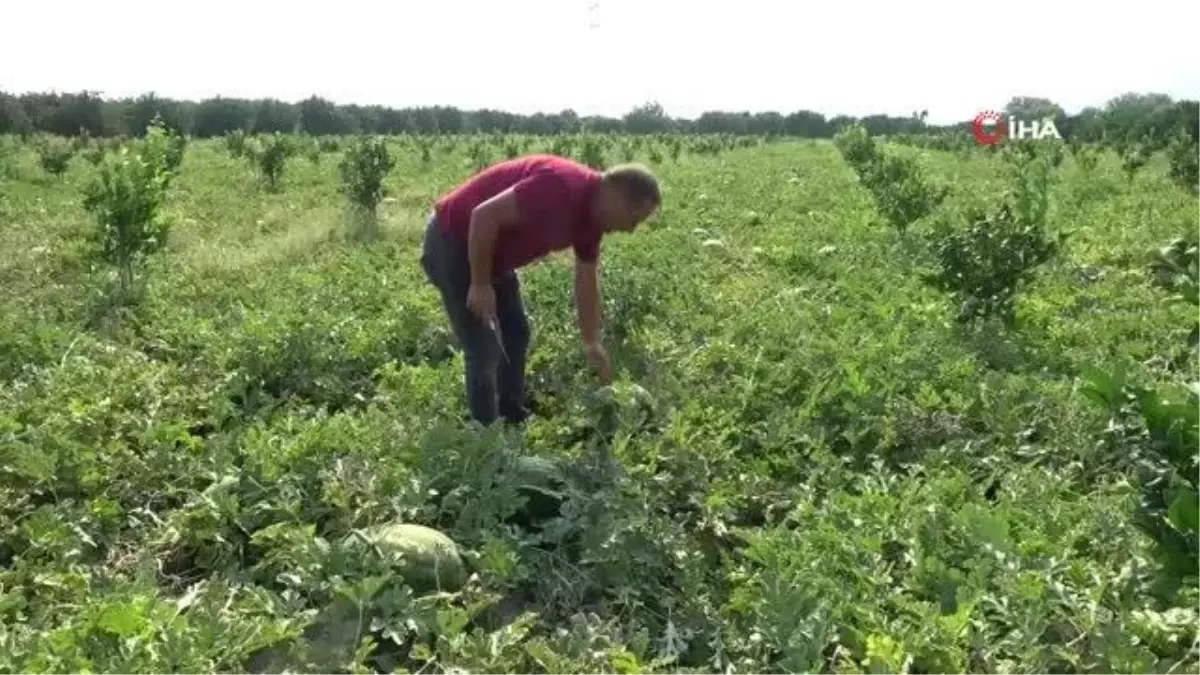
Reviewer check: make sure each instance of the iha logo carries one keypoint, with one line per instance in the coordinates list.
(989, 128)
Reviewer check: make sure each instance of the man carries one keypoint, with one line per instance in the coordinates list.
(510, 215)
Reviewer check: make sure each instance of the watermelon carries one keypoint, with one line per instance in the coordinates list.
(430, 560)
(627, 401)
(542, 483)
(626, 395)
(640, 399)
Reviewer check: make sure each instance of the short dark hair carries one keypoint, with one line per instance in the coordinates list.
(636, 181)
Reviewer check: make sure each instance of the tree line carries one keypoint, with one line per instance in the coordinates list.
(1132, 116)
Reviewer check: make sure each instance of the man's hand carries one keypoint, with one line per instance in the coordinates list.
(598, 358)
(481, 300)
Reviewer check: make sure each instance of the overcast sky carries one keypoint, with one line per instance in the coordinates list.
(607, 56)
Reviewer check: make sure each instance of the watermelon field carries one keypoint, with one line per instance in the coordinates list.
(880, 406)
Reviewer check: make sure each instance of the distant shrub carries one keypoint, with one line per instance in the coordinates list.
(896, 182)
(363, 169)
(312, 150)
(591, 152)
(235, 143)
(126, 197)
(857, 147)
(479, 154)
(94, 154)
(269, 154)
(984, 265)
(1182, 153)
(902, 192)
(675, 147)
(1086, 156)
(54, 154)
(1133, 158)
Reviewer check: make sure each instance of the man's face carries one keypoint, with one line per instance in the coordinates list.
(623, 214)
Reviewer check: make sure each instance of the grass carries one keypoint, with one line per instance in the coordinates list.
(836, 476)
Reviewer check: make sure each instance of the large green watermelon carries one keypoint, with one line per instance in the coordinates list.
(431, 560)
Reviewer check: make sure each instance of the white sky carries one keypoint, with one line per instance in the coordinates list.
(952, 58)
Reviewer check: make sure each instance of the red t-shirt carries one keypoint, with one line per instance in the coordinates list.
(554, 201)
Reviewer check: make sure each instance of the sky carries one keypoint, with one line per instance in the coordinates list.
(953, 59)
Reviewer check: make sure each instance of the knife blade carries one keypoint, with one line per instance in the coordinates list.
(499, 338)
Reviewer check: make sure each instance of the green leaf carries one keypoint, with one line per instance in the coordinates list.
(1184, 511)
(123, 619)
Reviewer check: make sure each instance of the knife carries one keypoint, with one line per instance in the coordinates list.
(499, 338)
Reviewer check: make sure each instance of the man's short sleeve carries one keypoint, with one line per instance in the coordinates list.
(587, 248)
(542, 194)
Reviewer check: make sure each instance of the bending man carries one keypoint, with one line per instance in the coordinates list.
(508, 216)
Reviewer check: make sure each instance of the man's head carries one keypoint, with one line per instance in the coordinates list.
(628, 195)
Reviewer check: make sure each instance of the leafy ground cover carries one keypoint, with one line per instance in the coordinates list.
(815, 458)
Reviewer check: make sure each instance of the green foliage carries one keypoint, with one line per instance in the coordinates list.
(591, 153)
(235, 143)
(82, 141)
(312, 150)
(1087, 156)
(1133, 157)
(1152, 118)
(675, 148)
(899, 187)
(563, 146)
(984, 265)
(1032, 187)
(269, 154)
(363, 168)
(54, 154)
(95, 154)
(1158, 431)
(857, 148)
(1184, 157)
(426, 148)
(1049, 151)
(480, 157)
(1176, 268)
(126, 198)
(179, 494)
(901, 191)
(173, 156)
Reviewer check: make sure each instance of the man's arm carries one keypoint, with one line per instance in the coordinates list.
(528, 198)
(487, 220)
(587, 300)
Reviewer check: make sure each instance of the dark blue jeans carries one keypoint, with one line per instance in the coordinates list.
(494, 379)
